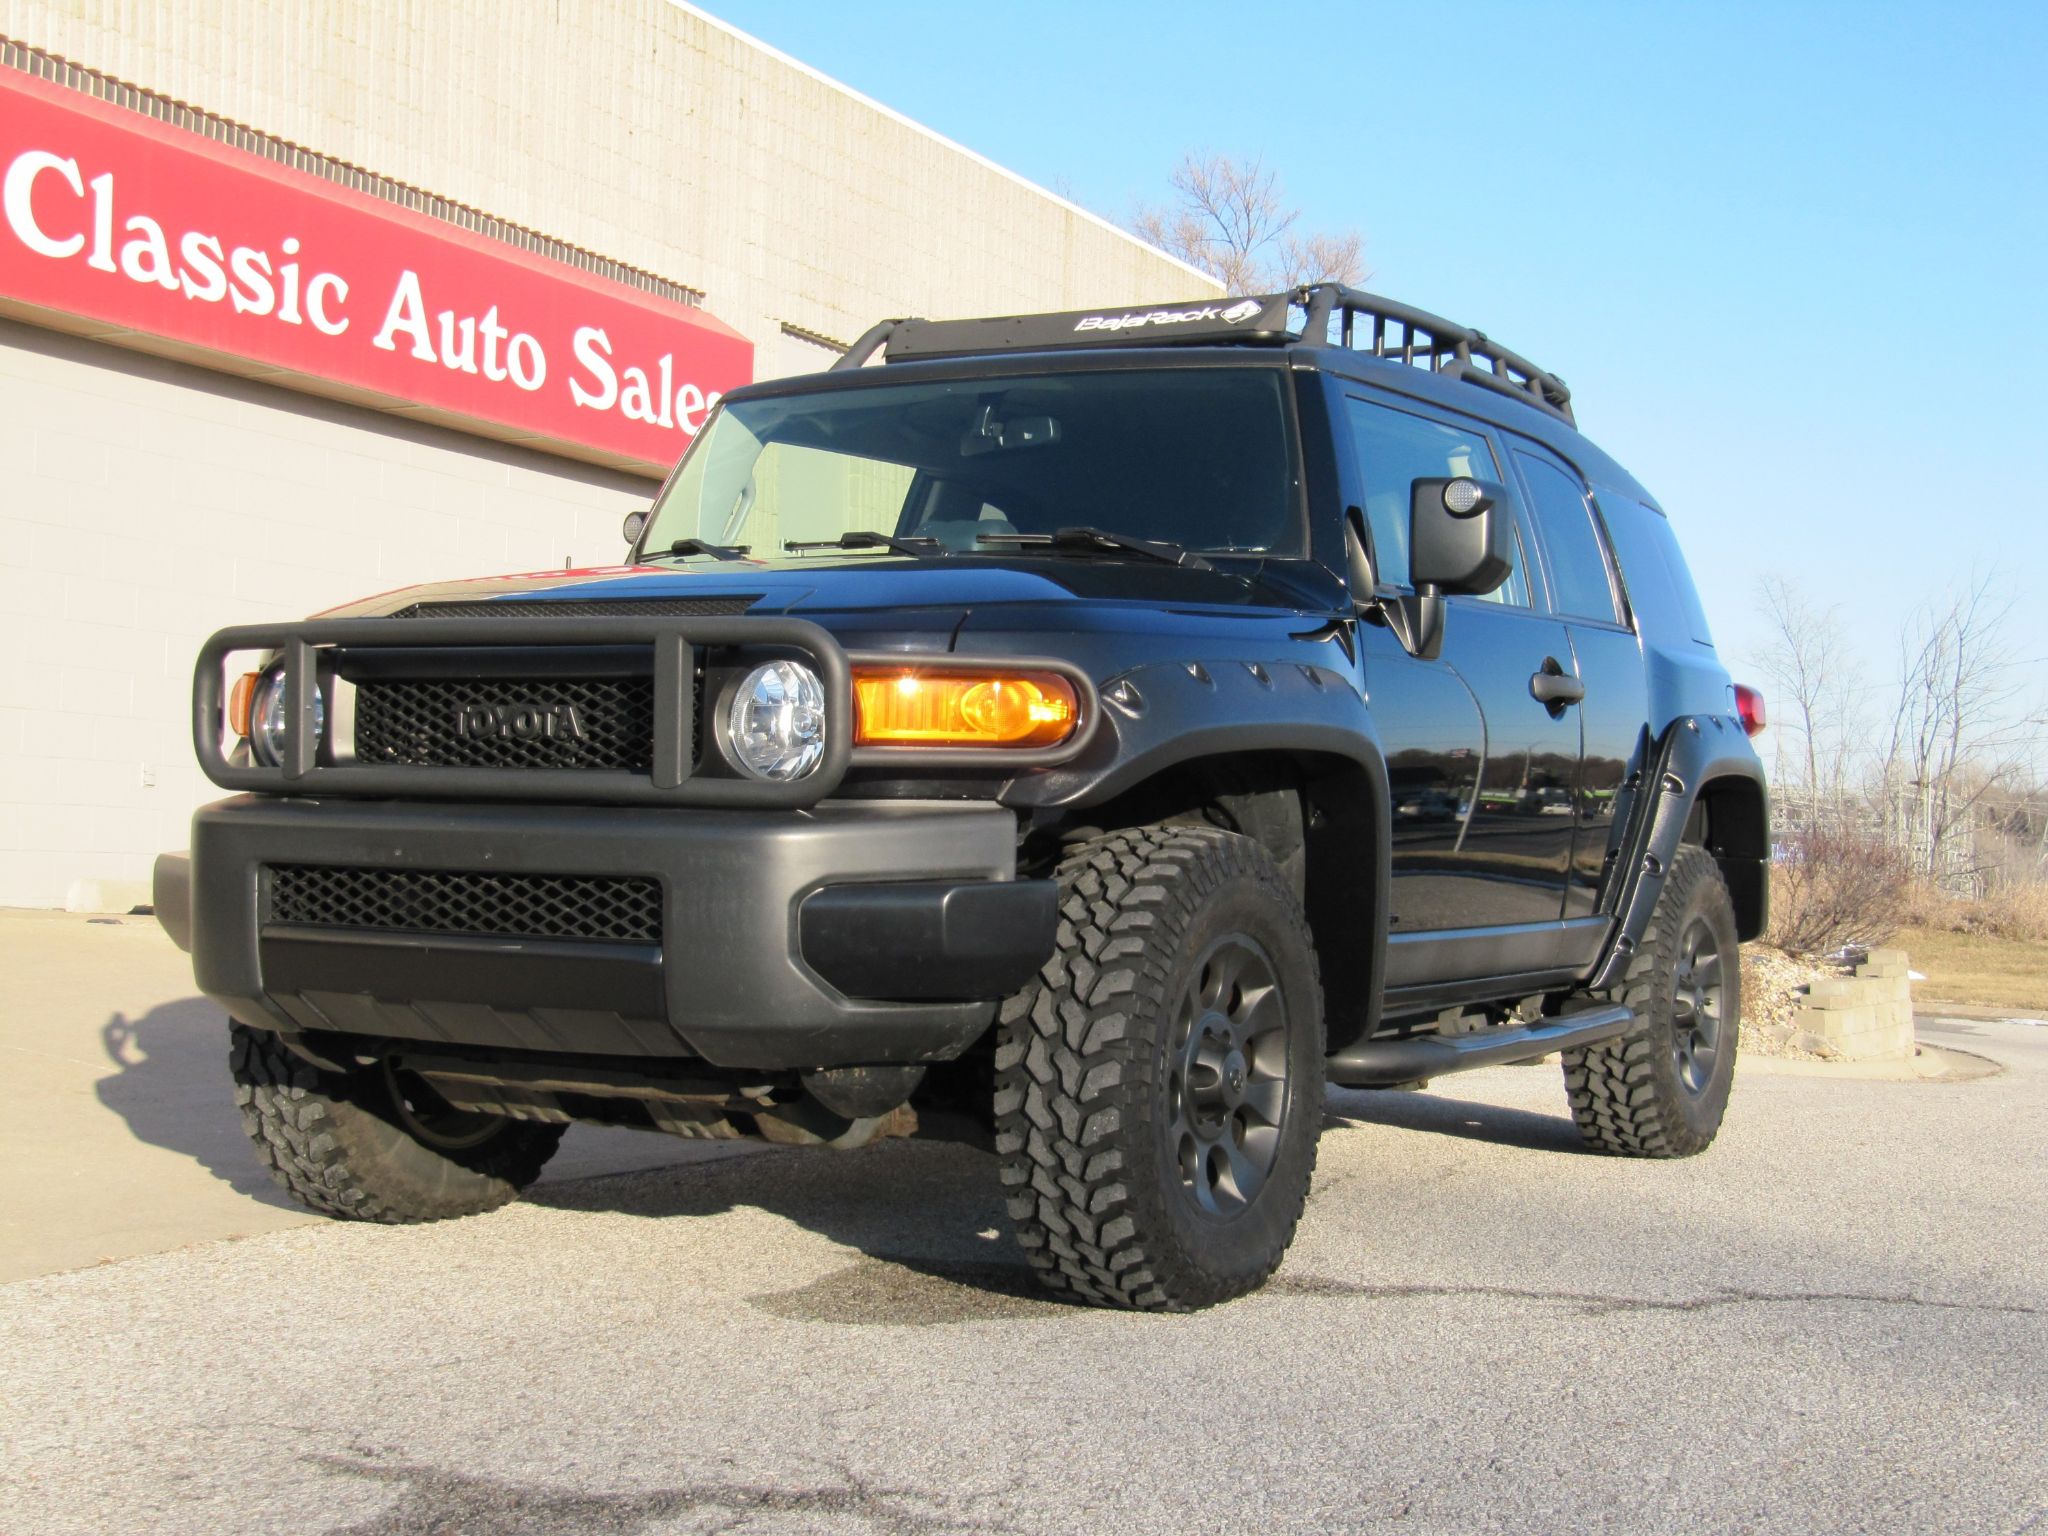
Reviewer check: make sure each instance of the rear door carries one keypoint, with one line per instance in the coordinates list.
(1586, 590)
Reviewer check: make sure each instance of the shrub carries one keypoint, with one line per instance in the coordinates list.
(2007, 912)
(1837, 889)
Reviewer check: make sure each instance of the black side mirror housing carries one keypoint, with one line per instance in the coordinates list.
(1458, 539)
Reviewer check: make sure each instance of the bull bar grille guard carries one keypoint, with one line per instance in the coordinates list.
(675, 644)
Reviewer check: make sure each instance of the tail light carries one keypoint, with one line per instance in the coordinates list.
(1749, 709)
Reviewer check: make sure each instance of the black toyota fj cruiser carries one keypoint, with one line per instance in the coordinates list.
(1094, 730)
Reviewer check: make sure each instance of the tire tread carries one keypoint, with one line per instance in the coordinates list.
(1074, 1066)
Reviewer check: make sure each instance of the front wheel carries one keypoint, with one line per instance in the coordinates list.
(377, 1144)
(1159, 1089)
(1661, 1089)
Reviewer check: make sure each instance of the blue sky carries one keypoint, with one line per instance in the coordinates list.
(1790, 257)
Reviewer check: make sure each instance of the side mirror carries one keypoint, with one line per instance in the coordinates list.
(635, 522)
(1458, 536)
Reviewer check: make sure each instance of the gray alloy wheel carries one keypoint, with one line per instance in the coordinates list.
(1227, 1085)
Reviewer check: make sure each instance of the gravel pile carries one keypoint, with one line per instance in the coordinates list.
(1774, 990)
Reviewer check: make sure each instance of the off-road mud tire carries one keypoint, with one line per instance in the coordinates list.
(339, 1144)
(1626, 1094)
(1085, 1073)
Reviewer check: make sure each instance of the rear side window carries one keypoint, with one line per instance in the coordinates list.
(1394, 450)
(1578, 565)
(1659, 585)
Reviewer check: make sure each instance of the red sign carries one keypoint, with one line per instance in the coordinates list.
(109, 216)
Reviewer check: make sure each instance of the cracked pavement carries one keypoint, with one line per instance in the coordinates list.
(1834, 1320)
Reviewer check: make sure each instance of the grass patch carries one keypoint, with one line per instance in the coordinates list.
(1978, 968)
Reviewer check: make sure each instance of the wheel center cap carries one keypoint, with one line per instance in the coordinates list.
(1234, 1074)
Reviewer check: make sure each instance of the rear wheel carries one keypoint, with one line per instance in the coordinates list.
(1661, 1089)
(377, 1144)
(1159, 1090)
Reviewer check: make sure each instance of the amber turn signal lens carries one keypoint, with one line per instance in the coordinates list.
(240, 698)
(905, 707)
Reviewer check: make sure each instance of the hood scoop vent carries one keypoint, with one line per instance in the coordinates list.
(584, 608)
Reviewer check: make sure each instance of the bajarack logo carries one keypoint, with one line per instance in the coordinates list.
(1234, 314)
(519, 722)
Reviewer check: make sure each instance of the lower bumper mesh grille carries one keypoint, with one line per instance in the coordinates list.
(600, 908)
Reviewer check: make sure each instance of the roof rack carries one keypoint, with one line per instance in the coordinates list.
(1321, 314)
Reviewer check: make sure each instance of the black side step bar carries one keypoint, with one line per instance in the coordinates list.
(1382, 1063)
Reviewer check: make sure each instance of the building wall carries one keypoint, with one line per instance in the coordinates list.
(642, 129)
(147, 503)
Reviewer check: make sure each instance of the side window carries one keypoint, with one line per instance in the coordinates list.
(1396, 449)
(1578, 565)
(1652, 567)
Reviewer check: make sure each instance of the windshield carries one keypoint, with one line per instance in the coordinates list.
(1195, 457)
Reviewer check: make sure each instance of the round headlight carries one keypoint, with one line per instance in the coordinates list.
(777, 721)
(269, 731)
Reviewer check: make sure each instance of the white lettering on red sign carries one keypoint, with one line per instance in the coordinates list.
(121, 218)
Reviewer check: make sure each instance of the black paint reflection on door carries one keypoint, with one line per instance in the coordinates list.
(1518, 837)
(1616, 745)
(1435, 744)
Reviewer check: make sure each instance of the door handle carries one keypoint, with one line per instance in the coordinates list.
(1554, 688)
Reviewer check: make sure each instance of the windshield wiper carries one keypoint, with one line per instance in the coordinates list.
(1099, 541)
(861, 538)
(706, 547)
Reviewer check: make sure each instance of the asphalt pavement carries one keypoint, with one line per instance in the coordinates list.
(1834, 1320)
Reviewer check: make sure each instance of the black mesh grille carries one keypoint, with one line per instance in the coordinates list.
(584, 608)
(558, 722)
(589, 907)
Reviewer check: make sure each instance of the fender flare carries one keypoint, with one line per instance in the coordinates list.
(1164, 715)
(1696, 752)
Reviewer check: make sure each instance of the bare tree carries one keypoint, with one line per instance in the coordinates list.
(1958, 732)
(1231, 218)
(1811, 668)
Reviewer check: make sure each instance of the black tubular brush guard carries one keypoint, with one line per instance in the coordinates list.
(673, 646)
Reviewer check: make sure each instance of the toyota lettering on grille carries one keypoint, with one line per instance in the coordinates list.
(519, 722)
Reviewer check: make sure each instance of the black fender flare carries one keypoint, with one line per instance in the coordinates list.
(1164, 715)
(1697, 753)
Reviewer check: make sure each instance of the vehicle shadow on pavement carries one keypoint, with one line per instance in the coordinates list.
(925, 1217)
(1425, 1111)
(171, 1086)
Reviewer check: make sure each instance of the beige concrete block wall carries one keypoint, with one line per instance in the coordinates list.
(1865, 1017)
(642, 129)
(145, 504)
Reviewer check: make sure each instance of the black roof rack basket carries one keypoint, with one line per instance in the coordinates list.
(1319, 315)
(1387, 328)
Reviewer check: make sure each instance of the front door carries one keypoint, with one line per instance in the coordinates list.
(1482, 770)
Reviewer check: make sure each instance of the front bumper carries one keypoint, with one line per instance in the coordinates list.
(843, 934)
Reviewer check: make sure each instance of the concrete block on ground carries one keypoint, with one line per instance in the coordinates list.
(1832, 1023)
(1886, 957)
(1890, 1044)
(1831, 990)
